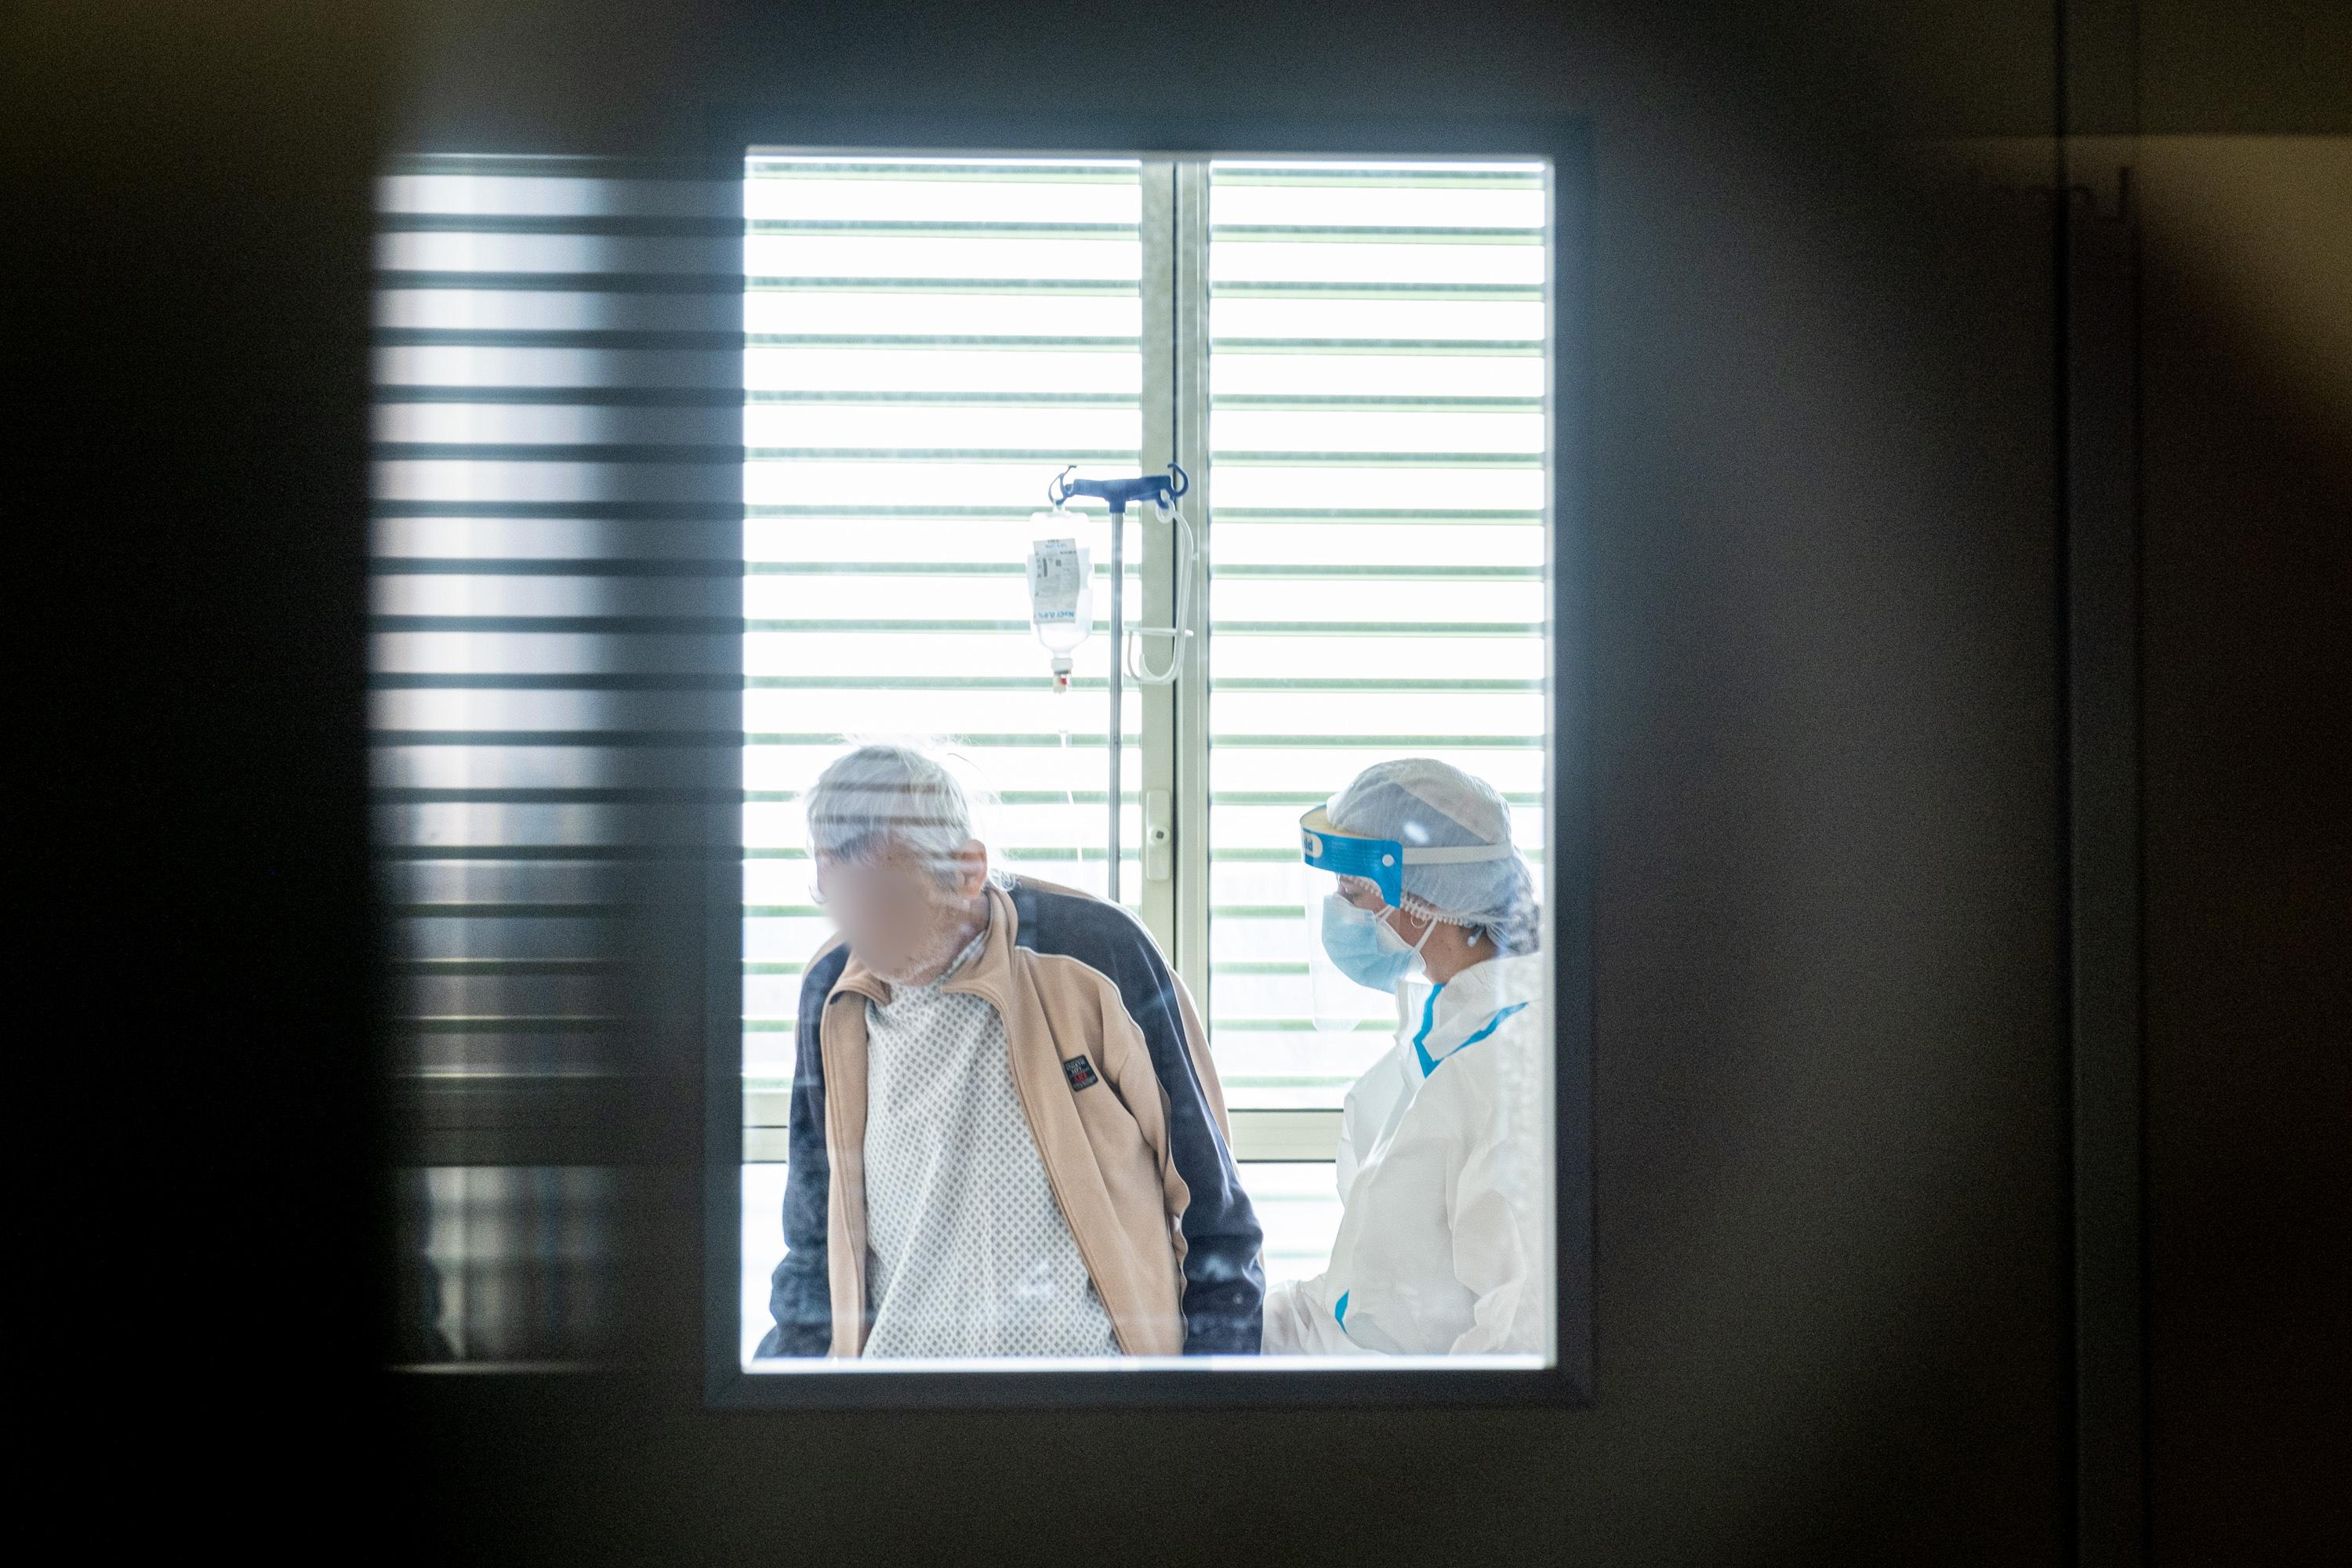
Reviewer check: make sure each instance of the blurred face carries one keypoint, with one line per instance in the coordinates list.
(901, 921)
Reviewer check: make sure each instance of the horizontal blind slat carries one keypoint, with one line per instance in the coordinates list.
(1311, 434)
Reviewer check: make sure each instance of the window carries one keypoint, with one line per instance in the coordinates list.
(1350, 360)
(926, 343)
(688, 471)
(1376, 440)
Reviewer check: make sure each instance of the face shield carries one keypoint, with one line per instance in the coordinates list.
(1349, 886)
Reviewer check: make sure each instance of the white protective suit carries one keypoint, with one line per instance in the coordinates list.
(1445, 1245)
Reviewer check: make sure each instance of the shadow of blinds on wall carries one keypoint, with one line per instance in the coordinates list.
(555, 693)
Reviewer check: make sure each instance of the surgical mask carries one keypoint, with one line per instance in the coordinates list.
(1365, 947)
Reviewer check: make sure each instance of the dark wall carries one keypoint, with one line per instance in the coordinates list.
(2247, 353)
(1830, 1111)
(187, 340)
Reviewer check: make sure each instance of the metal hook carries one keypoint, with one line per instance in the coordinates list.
(1056, 491)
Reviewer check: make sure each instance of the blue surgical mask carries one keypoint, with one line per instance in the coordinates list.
(1365, 947)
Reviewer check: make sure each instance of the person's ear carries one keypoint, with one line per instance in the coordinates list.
(971, 868)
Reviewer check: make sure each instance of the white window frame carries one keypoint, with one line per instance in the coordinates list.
(1562, 146)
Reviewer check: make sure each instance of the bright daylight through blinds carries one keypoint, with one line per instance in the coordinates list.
(1377, 377)
(926, 344)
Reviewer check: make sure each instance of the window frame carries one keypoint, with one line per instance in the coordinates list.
(1564, 144)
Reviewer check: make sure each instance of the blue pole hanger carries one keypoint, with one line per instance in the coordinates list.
(1161, 489)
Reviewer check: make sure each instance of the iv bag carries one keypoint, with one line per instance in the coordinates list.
(1061, 594)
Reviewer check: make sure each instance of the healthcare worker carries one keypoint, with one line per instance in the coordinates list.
(1445, 1245)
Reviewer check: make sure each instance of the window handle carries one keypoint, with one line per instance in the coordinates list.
(1156, 810)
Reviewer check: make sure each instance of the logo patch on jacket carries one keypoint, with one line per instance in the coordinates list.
(1080, 1072)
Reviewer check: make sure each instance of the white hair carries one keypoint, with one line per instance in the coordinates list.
(887, 794)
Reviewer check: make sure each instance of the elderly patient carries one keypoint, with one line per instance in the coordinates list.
(1007, 1138)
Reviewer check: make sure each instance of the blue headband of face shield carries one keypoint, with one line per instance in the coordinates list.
(1379, 861)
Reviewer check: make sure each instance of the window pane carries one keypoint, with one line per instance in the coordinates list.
(1377, 368)
(927, 343)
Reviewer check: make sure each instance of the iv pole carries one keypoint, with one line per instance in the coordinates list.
(1162, 490)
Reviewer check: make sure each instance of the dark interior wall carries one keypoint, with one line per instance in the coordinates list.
(188, 218)
(2246, 347)
(1829, 1057)
(1829, 1116)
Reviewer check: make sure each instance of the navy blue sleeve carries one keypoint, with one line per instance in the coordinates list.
(1224, 1285)
(800, 1293)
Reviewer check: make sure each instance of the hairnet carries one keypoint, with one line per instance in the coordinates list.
(1424, 804)
(897, 794)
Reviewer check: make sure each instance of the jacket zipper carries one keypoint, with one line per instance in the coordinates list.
(1053, 1180)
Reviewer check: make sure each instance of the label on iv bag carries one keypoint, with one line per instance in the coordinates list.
(1057, 576)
